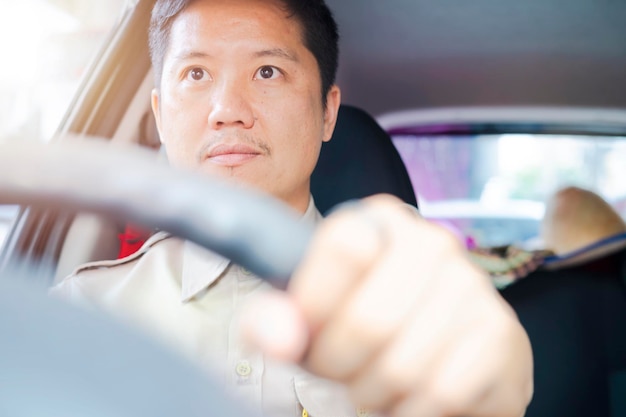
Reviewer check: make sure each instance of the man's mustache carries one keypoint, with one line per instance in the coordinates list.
(233, 140)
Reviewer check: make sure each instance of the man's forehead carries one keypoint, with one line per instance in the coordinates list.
(200, 12)
(266, 27)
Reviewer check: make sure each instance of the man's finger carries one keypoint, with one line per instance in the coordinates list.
(273, 324)
(343, 248)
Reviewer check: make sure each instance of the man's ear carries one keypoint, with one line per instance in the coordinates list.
(333, 100)
(156, 110)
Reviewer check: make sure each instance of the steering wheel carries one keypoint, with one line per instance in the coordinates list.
(58, 360)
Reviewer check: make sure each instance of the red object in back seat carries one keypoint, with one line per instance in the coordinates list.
(131, 240)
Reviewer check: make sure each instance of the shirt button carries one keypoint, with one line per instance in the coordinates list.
(245, 271)
(362, 412)
(243, 368)
(305, 413)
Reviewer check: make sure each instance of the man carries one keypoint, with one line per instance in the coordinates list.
(385, 305)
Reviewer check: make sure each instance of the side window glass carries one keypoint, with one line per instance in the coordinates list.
(491, 190)
(47, 45)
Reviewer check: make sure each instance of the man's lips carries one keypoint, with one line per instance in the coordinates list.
(232, 155)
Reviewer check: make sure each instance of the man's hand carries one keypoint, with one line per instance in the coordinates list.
(389, 304)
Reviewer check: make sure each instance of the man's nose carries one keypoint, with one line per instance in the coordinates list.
(230, 107)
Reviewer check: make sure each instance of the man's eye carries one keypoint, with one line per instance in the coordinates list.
(197, 74)
(267, 73)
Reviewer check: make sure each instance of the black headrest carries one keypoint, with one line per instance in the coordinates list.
(360, 160)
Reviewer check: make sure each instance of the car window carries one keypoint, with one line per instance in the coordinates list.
(47, 46)
(491, 189)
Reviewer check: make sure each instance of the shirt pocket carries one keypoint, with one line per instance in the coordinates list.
(322, 398)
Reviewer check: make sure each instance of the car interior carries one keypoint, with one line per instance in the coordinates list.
(409, 70)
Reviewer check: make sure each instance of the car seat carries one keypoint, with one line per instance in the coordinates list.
(575, 318)
(360, 160)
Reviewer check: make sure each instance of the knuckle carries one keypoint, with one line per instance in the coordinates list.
(400, 376)
(334, 231)
(451, 400)
(349, 237)
(435, 239)
(501, 326)
(364, 328)
(384, 200)
(444, 240)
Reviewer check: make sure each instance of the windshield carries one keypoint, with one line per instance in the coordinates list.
(491, 189)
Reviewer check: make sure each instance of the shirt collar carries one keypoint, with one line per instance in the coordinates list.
(201, 268)
(311, 215)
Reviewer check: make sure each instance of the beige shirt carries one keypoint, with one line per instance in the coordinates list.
(190, 299)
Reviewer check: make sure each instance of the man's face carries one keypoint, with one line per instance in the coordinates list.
(240, 97)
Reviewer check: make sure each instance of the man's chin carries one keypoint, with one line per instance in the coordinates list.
(240, 175)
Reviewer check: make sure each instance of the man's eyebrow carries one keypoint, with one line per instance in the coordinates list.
(185, 55)
(274, 52)
(278, 53)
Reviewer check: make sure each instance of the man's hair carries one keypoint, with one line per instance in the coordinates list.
(319, 31)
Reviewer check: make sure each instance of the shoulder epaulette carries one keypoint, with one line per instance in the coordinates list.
(153, 240)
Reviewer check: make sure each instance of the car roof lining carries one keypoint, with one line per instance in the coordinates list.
(442, 53)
